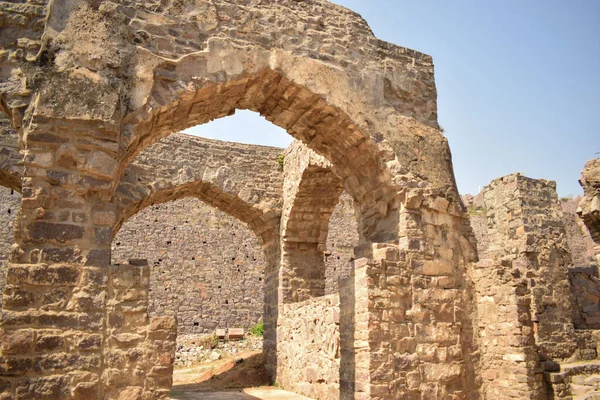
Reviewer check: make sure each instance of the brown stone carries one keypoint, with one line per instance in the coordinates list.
(60, 233)
(17, 342)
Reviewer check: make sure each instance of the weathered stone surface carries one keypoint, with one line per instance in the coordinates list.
(589, 206)
(529, 295)
(97, 100)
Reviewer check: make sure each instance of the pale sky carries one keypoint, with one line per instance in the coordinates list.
(518, 84)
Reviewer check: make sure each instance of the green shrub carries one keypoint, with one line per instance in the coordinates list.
(477, 211)
(258, 329)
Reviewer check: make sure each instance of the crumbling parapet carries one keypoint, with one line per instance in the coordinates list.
(589, 207)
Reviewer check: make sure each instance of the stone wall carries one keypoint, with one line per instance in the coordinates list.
(10, 203)
(583, 269)
(206, 267)
(524, 302)
(139, 362)
(309, 347)
(149, 69)
(584, 252)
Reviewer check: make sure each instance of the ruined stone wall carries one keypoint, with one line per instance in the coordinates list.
(581, 245)
(309, 347)
(590, 203)
(149, 69)
(139, 362)
(583, 274)
(583, 270)
(523, 298)
(206, 267)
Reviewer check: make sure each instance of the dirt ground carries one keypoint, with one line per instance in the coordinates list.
(225, 373)
(233, 377)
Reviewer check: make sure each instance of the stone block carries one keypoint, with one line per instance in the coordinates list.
(61, 233)
(235, 333)
(437, 267)
(18, 342)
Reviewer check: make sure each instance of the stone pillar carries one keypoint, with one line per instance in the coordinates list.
(405, 313)
(523, 297)
(53, 309)
(272, 299)
(54, 302)
(430, 311)
(354, 334)
(138, 353)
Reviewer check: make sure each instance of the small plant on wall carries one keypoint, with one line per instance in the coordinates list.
(280, 159)
(258, 329)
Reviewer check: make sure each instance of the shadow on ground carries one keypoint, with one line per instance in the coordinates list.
(227, 375)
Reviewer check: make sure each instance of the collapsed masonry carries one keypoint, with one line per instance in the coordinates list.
(94, 112)
(590, 205)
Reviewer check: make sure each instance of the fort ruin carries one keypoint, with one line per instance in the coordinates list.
(418, 306)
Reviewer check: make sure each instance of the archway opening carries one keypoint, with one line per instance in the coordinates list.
(352, 156)
(172, 106)
(207, 269)
(244, 126)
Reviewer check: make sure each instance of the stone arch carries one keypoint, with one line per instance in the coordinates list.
(312, 191)
(213, 84)
(264, 225)
(244, 181)
(311, 67)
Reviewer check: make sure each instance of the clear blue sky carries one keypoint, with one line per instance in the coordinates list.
(518, 84)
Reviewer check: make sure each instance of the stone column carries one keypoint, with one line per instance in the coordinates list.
(53, 309)
(354, 334)
(272, 299)
(523, 297)
(55, 297)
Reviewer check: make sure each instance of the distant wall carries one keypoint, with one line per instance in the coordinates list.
(206, 266)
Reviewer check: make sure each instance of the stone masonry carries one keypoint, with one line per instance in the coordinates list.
(207, 268)
(93, 93)
(530, 295)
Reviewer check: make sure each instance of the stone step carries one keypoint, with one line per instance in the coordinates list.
(574, 380)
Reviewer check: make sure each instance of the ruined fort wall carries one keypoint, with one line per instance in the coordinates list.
(206, 267)
(536, 281)
(582, 269)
